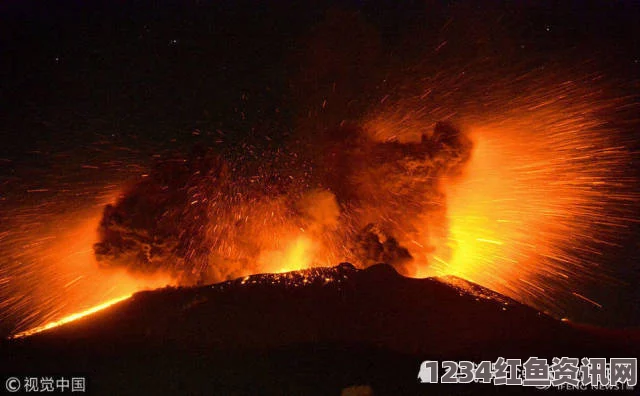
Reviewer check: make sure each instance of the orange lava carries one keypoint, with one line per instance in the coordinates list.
(543, 194)
(52, 274)
(70, 318)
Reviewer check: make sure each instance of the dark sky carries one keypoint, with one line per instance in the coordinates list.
(113, 82)
(156, 69)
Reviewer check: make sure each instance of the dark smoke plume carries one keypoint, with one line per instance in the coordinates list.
(216, 213)
(187, 213)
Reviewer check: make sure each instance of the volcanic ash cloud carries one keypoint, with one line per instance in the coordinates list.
(206, 218)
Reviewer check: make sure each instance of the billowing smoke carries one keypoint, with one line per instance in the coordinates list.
(336, 189)
(205, 218)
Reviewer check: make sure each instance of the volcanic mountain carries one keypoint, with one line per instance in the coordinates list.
(315, 331)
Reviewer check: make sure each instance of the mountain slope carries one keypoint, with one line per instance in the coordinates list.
(312, 331)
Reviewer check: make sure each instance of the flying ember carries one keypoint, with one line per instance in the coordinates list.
(517, 193)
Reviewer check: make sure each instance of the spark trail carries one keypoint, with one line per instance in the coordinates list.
(547, 193)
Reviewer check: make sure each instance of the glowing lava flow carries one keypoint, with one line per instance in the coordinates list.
(70, 318)
(545, 194)
(52, 277)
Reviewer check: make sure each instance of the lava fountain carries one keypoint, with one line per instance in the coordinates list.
(522, 194)
(547, 193)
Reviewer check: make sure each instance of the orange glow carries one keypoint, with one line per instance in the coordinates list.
(56, 277)
(70, 318)
(543, 192)
(298, 254)
(534, 205)
(546, 194)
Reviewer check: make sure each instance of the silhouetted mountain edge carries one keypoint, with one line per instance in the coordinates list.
(314, 331)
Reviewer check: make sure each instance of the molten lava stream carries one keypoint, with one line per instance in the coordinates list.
(71, 318)
(55, 279)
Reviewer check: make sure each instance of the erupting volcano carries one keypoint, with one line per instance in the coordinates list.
(206, 219)
(516, 200)
(517, 196)
(359, 176)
